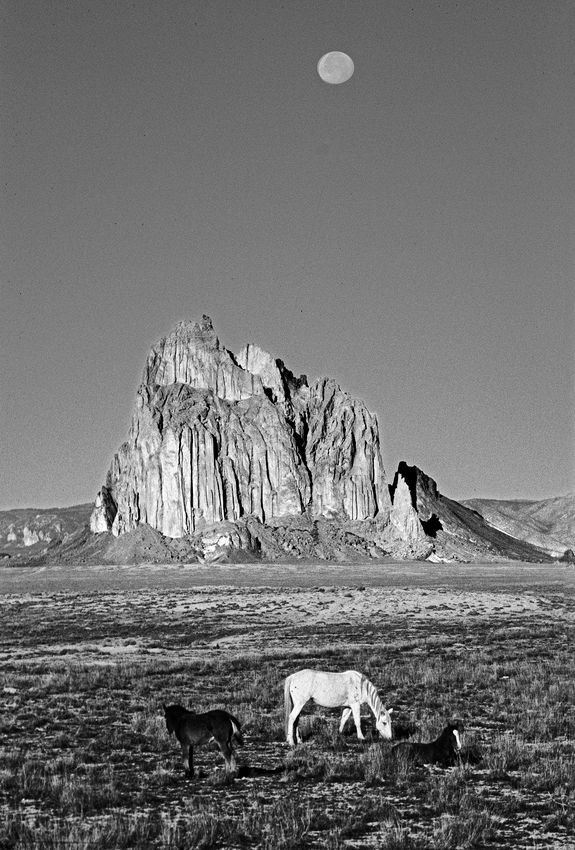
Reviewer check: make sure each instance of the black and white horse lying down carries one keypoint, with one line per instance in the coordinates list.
(444, 751)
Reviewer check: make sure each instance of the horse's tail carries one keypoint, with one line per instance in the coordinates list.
(236, 730)
(288, 703)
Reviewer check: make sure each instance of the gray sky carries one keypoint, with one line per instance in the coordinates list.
(409, 232)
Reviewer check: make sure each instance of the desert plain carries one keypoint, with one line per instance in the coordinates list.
(89, 654)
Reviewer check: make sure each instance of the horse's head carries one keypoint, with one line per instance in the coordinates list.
(170, 713)
(383, 723)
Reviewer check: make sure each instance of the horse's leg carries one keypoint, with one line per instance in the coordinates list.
(355, 710)
(298, 736)
(344, 718)
(188, 758)
(293, 725)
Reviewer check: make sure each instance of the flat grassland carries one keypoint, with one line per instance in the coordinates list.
(88, 656)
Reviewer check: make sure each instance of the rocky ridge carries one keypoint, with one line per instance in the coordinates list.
(458, 532)
(233, 457)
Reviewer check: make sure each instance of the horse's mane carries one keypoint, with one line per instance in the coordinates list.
(369, 693)
(176, 710)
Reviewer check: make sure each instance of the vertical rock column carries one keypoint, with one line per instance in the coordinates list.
(344, 457)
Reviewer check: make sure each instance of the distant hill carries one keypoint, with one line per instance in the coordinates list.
(29, 532)
(548, 524)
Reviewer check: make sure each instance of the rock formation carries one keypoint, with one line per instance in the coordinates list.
(104, 512)
(215, 438)
(457, 532)
(235, 458)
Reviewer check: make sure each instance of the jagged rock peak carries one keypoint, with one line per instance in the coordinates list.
(404, 516)
(254, 359)
(191, 354)
(217, 438)
(103, 513)
(199, 334)
(423, 495)
(417, 481)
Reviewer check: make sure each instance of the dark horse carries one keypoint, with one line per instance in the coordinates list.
(444, 751)
(193, 729)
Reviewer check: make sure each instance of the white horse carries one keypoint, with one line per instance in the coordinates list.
(332, 690)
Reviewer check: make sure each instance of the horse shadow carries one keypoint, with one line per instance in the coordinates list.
(246, 771)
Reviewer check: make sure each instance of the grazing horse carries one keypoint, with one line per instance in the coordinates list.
(444, 751)
(193, 729)
(332, 690)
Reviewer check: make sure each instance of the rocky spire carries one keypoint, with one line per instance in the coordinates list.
(216, 437)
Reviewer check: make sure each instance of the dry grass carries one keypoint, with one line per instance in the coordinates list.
(86, 761)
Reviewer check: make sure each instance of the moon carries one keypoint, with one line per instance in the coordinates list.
(335, 67)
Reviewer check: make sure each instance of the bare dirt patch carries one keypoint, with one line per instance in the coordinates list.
(87, 657)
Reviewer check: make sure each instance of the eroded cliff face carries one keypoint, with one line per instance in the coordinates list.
(215, 438)
(194, 459)
(343, 456)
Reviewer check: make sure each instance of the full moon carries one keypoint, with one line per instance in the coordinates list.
(335, 67)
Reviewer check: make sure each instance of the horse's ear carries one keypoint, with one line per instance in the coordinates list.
(390, 710)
